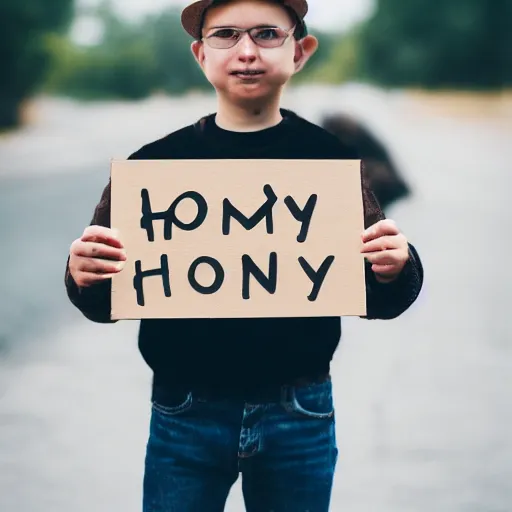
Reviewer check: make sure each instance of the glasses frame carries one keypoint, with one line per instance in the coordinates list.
(243, 31)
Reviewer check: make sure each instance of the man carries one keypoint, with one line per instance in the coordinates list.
(244, 395)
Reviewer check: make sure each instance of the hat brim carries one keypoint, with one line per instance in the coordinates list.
(192, 16)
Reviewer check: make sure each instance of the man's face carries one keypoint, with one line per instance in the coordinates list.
(273, 66)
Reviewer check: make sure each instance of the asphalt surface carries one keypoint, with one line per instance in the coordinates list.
(423, 402)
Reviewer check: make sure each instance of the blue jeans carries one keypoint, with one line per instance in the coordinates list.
(285, 450)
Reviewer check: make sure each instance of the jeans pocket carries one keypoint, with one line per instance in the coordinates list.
(314, 401)
(171, 404)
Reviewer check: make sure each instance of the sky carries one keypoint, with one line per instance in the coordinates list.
(326, 14)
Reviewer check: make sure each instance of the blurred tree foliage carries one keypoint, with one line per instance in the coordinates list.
(135, 60)
(458, 44)
(339, 61)
(322, 57)
(132, 60)
(23, 52)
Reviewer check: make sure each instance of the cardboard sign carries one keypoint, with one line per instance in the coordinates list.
(238, 238)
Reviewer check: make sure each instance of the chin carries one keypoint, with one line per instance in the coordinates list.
(253, 92)
(251, 100)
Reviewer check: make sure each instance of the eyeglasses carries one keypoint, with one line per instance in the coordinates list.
(265, 37)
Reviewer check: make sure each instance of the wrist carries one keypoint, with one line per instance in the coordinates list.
(381, 278)
(390, 278)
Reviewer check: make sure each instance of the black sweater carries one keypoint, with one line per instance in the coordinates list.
(247, 353)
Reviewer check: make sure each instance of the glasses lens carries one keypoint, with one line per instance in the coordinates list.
(223, 38)
(268, 37)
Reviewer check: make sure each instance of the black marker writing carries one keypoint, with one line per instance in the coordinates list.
(317, 278)
(249, 267)
(219, 275)
(169, 215)
(140, 275)
(303, 216)
(265, 211)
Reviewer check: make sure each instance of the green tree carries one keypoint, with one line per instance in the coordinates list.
(439, 44)
(132, 60)
(321, 58)
(23, 50)
(340, 60)
(176, 70)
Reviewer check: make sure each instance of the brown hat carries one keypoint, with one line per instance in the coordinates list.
(193, 15)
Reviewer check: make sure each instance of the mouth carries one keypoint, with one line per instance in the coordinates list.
(247, 73)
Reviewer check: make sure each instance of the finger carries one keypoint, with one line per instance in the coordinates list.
(102, 235)
(99, 266)
(381, 244)
(89, 278)
(96, 250)
(384, 270)
(392, 257)
(381, 228)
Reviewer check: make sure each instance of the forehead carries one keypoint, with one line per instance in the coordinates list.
(247, 13)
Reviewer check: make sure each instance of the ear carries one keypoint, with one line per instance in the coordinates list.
(198, 52)
(304, 50)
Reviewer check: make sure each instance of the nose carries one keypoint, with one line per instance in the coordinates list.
(247, 49)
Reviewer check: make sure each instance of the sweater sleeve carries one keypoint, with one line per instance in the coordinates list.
(95, 301)
(386, 301)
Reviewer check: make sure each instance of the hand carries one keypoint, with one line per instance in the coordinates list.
(96, 256)
(386, 248)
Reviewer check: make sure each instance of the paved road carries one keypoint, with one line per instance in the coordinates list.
(424, 414)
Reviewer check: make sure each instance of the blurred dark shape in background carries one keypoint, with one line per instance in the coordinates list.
(380, 170)
(24, 52)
